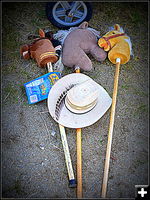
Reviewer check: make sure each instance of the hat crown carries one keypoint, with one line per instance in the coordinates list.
(83, 94)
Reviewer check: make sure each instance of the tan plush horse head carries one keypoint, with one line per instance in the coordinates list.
(117, 43)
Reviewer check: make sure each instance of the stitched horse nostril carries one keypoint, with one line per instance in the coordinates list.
(104, 45)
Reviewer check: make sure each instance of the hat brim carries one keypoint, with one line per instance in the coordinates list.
(74, 120)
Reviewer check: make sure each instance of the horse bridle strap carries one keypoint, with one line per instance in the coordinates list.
(112, 36)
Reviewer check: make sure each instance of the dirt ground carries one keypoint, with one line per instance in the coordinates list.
(33, 164)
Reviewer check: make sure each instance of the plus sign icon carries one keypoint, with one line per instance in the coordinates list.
(142, 192)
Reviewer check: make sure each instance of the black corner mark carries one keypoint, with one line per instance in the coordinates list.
(142, 192)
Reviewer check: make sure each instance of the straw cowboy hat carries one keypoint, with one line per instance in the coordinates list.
(77, 101)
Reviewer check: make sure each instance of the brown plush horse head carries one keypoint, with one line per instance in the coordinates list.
(41, 50)
(77, 43)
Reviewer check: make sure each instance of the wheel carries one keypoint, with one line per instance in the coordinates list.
(63, 14)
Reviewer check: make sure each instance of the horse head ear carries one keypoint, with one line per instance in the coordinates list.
(41, 33)
(84, 25)
(117, 27)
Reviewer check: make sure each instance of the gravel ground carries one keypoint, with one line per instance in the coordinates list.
(33, 164)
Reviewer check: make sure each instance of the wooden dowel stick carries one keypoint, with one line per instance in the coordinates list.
(49, 67)
(79, 163)
(110, 132)
(79, 156)
(72, 181)
(66, 152)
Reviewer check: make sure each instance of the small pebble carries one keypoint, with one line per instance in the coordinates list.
(42, 146)
(53, 133)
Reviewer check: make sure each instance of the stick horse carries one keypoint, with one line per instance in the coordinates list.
(119, 46)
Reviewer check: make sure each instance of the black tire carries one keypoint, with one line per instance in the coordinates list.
(59, 21)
